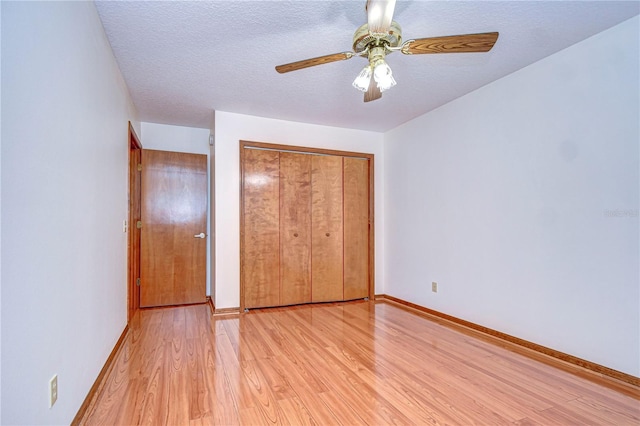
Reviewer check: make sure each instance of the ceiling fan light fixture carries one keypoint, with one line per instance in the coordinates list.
(362, 80)
(383, 76)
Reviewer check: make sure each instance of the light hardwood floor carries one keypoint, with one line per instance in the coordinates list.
(350, 363)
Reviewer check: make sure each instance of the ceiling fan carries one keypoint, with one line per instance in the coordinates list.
(381, 36)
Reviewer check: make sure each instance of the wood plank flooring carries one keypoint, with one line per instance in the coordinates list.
(348, 363)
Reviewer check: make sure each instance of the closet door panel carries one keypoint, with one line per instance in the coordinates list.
(356, 228)
(261, 246)
(327, 228)
(295, 228)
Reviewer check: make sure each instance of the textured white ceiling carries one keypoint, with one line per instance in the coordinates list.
(183, 60)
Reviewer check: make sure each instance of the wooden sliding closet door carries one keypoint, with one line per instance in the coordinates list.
(306, 225)
(326, 228)
(295, 228)
(356, 228)
(261, 254)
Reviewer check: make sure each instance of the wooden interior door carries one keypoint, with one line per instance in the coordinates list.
(356, 228)
(327, 228)
(260, 262)
(295, 228)
(174, 225)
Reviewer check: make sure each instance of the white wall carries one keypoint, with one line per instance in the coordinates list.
(229, 130)
(163, 137)
(212, 212)
(175, 138)
(65, 109)
(521, 201)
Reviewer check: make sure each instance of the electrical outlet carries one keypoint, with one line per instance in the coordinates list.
(53, 390)
(434, 287)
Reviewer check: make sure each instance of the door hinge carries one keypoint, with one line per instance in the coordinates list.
(139, 167)
(139, 224)
(138, 282)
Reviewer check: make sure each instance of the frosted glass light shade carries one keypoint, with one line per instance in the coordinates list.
(383, 76)
(362, 80)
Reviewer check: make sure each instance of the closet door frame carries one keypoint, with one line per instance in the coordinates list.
(317, 151)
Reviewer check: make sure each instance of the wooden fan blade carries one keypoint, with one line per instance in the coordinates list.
(293, 66)
(380, 15)
(451, 44)
(373, 92)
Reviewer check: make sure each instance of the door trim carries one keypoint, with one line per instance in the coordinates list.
(133, 243)
(317, 151)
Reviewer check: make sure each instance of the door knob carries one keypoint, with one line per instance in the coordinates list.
(200, 235)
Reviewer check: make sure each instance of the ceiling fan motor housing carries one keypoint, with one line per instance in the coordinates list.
(364, 40)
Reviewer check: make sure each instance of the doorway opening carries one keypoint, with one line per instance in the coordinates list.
(133, 250)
